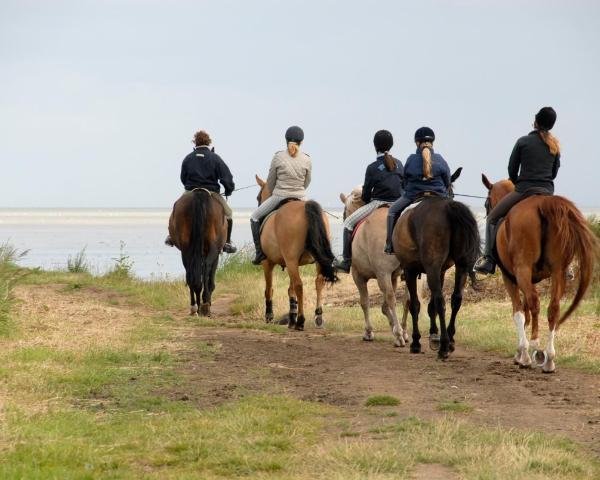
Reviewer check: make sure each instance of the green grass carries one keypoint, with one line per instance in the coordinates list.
(455, 406)
(10, 275)
(382, 401)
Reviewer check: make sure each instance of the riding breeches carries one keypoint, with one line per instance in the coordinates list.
(503, 206)
(364, 211)
(266, 207)
(398, 207)
(219, 198)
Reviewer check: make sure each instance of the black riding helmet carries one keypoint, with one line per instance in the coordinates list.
(424, 134)
(294, 134)
(383, 141)
(545, 118)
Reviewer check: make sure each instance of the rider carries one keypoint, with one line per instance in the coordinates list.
(205, 169)
(289, 176)
(532, 167)
(425, 171)
(382, 186)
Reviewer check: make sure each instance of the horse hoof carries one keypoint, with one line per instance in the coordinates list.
(443, 355)
(534, 358)
(415, 349)
(399, 342)
(451, 346)
(434, 342)
(299, 328)
(269, 318)
(319, 321)
(291, 325)
(368, 338)
(194, 310)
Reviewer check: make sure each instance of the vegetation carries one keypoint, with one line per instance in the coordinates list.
(78, 263)
(455, 406)
(10, 274)
(382, 401)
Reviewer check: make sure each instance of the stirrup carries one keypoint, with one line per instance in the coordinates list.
(259, 258)
(229, 248)
(485, 265)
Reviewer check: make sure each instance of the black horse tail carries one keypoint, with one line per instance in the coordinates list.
(466, 244)
(317, 241)
(196, 255)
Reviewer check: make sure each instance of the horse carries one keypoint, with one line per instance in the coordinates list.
(198, 228)
(369, 261)
(538, 239)
(296, 234)
(432, 237)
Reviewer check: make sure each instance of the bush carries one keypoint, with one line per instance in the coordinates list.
(78, 263)
(10, 273)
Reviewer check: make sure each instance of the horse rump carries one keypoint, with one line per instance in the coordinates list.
(575, 239)
(317, 241)
(465, 241)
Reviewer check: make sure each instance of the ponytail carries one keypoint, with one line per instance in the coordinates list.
(293, 148)
(551, 141)
(426, 154)
(390, 162)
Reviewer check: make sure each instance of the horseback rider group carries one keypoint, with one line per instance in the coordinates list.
(532, 167)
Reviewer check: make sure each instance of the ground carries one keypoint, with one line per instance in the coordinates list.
(86, 355)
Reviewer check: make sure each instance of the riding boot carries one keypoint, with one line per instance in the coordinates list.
(169, 241)
(229, 247)
(260, 256)
(389, 247)
(487, 263)
(346, 262)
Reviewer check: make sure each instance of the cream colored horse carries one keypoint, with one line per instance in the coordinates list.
(369, 261)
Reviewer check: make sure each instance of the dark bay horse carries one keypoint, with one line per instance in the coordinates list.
(198, 229)
(296, 234)
(538, 239)
(432, 237)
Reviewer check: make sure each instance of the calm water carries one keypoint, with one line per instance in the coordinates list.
(52, 235)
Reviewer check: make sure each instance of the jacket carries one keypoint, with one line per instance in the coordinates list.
(205, 169)
(414, 183)
(289, 176)
(380, 183)
(531, 164)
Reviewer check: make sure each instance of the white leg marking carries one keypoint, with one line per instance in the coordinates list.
(549, 365)
(534, 344)
(522, 357)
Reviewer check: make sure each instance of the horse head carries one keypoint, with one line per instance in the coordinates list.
(264, 192)
(352, 201)
(496, 191)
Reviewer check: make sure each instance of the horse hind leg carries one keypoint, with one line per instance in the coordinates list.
(405, 307)
(319, 284)
(522, 357)
(389, 309)
(363, 292)
(268, 272)
(193, 303)
(460, 279)
(556, 292)
(415, 307)
(296, 298)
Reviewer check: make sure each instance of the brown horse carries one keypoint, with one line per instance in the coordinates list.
(538, 239)
(296, 234)
(369, 261)
(198, 229)
(432, 237)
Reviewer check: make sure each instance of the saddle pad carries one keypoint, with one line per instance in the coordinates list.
(365, 219)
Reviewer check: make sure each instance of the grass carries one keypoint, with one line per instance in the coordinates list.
(10, 275)
(382, 401)
(455, 406)
(78, 263)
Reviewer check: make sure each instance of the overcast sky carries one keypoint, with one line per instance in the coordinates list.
(99, 100)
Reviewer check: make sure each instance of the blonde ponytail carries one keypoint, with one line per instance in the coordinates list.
(426, 154)
(551, 141)
(293, 148)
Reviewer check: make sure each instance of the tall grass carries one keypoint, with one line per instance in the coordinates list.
(10, 273)
(78, 263)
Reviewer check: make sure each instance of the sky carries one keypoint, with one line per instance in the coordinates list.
(99, 100)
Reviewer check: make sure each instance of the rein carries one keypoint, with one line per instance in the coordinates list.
(469, 196)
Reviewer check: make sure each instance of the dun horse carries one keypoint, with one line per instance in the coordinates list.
(538, 239)
(430, 238)
(296, 234)
(369, 261)
(198, 229)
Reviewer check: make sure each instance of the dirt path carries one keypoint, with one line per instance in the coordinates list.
(344, 371)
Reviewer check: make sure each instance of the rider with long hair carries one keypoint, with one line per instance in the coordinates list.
(289, 176)
(204, 169)
(533, 166)
(424, 172)
(382, 186)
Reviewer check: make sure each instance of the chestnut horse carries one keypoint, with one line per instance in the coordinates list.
(296, 234)
(436, 234)
(369, 261)
(538, 239)
(198, 229)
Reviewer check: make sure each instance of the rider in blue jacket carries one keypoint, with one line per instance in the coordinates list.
(424, 171)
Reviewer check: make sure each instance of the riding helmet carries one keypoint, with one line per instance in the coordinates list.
(294, 134)
(383, 141)
(424, 134)
(545, 118)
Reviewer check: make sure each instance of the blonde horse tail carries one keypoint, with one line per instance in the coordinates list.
(317, 241)
(576, 240)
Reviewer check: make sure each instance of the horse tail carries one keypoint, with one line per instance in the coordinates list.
(569, 227)
(466, 244)
(197, 260)
(317, 241)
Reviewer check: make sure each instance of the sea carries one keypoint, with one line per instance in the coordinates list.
(48, 237)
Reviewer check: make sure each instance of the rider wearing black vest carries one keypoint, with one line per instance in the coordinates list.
(532, 167)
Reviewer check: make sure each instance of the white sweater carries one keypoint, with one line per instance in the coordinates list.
(289, 176)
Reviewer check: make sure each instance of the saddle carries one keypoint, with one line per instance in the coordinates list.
(281, 204)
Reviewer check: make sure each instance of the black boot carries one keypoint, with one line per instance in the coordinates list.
(487, 264)
(346, 262)
(389, 247)
(229, 247)
(169, 241)
(260, 256)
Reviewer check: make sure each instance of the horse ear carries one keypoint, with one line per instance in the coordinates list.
(456, 174)
(486, 182)
(343, 198)
(259, 181)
